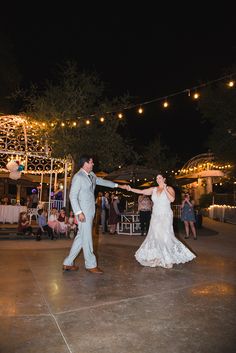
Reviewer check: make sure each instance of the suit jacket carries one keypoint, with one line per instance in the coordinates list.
(82, 192)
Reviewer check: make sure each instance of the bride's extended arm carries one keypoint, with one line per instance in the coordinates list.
(142, 192)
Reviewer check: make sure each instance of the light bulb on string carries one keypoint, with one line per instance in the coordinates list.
(230, 84)
(120, 115)
(165, 104)
(140, 110)
(102, 119)
(196, 95)
(87, 122)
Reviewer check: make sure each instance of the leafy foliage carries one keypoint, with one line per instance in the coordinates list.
(76, 95)
(158, 156)
(218, 106)
(205, 200)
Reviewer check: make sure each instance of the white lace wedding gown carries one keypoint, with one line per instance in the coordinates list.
(161, 247)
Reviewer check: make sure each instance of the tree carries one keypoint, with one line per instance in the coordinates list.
(68, 101)
(159, 157)
(218, 106)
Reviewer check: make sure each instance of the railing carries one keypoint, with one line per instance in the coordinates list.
(223, 213)
(53, 203)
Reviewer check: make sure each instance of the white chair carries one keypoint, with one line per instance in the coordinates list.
(32, 212)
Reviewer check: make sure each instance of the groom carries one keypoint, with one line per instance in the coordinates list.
(83, 205)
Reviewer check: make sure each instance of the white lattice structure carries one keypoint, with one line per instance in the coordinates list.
(20, 141)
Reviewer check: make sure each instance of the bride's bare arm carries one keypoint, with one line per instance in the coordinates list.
(142, 192)
(170, 193)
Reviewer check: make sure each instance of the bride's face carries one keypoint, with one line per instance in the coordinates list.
(160, 179)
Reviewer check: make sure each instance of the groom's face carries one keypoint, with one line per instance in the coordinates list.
(89, 165)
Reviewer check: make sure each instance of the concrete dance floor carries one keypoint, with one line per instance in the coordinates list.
(129, 309)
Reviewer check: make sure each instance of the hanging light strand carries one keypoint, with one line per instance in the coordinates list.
(164, 99)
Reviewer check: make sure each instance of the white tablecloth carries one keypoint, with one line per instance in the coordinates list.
(10, 214)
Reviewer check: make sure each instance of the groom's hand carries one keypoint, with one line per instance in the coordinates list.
(81, 217)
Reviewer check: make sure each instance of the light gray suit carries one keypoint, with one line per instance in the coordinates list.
(83, 200)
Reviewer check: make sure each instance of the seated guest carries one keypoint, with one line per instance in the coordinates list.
(24, 224)
(43, 226)
(53, 221)
(5, 200)
(72, 225)
(63, 220)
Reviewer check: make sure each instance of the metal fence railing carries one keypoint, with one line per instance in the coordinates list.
(53, 203)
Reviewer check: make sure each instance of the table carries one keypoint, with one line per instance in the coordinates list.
(10, 214)
(129, 224)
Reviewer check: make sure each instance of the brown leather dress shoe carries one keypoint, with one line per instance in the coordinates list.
(70, 268)
(95, 270)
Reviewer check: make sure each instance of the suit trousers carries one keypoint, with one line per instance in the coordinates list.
(83, 240)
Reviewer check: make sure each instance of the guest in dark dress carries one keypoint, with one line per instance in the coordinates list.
(188, 216)
(114, 213)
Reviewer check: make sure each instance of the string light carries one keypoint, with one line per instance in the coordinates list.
(196, 95)
(165, 104)
(140, 110)
(165, 100)
(231, 84)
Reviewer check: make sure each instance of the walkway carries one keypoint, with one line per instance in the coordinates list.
(129, 309)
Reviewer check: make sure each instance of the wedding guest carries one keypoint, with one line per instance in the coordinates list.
(24, 224)
(188, 216)
(114, 213)
(72, 225)
(34, 198)
(105, 212)
(43, 226)
(53, 221)
(145, 210)
(62, 222)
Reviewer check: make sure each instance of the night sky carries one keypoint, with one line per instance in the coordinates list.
(147, 53)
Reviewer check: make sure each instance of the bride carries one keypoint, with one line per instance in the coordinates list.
(161, 247)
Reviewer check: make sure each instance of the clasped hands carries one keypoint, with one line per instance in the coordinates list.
(125, 187)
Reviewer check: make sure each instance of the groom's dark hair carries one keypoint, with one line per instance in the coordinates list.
(84, 158)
